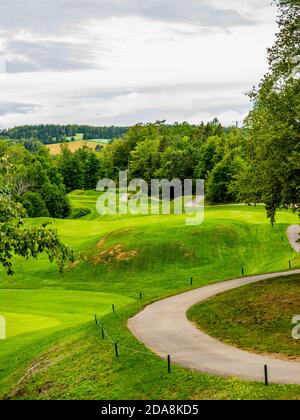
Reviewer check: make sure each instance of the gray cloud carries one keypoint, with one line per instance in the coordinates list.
(52, 24)
(99, 94)
(16, 108)
(46, 15)
(180, 114)
(46, 55)
(226, 100)
(64, 17)
(186, 88)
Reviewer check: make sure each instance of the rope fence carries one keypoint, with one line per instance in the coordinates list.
(117, 346)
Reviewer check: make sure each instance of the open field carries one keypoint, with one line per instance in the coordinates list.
(75, 145)
(254, 318)
(117, 257)
(78, 136)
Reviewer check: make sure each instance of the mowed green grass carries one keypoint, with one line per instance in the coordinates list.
(50, 310)
(256, 317)
(117, 257)
(34, 315)
(20, 323)
(66, 307)
(79, 136)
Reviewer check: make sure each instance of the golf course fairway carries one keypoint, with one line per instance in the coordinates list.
(53, 347)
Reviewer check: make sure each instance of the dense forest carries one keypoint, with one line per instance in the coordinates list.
(182, 151)
(41, 182)
(51, 133)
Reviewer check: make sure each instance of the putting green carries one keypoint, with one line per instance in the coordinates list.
(31, 310)
(17, 324)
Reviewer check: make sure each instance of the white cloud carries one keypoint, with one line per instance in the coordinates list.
(49, 15)
(130, 61)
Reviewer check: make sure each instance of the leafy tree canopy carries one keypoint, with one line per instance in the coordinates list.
(20, 239)
(273, 155)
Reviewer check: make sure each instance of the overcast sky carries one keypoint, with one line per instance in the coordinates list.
(120, 62)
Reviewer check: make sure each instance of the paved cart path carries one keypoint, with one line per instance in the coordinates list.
(164, 328)
(293, 235)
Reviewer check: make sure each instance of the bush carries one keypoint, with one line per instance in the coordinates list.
(34, 204)
(57, 202)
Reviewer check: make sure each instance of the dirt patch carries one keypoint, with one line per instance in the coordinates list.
(189, 255)
(74, 264)
(39, 364)
(183, 250)
(102, 242)
(114, 253)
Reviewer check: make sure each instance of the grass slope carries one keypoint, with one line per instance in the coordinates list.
(255, 317)
(117, 257)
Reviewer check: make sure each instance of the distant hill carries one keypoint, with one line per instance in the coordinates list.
(51, 133)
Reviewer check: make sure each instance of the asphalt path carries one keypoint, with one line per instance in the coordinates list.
(164, 328)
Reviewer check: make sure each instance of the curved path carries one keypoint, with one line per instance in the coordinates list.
(164, 328)
(293, 235)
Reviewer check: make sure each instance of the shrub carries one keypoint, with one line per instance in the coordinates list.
(34, 204)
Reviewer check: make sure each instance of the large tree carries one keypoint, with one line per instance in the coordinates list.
(18, 238)
(33, 180)
(273, 157)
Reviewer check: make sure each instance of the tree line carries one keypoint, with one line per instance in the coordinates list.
(52, 133)
(41, 182)
(182, 151)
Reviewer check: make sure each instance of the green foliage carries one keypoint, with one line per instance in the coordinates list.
(145, 159)
(273, 152)
(147, 151)
(220, 180)
(18, 239)
(210, 154)
(56, 201)
(69, 166)
(79, 170)
(180, 151)
(34, 180)
(90, 165)
(179, 159)
(34, 204)
(51, 133)
(115, 158)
